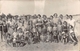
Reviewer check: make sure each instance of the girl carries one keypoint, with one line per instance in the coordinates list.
(21, 37)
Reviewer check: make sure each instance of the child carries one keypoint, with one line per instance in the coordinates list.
(43, 37)
(59, 30)
(49, 32)
(49, 27)
(26, 32)
(39, 24)
(55, 33)
(65, 32)
(15, 34)
(48, 37)
(35, 36)
(9, 38)
(55, 37)
(21, 37)
(30, 38)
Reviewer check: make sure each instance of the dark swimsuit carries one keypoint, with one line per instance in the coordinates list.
(65, 29)
(1, 27)
(5, 28)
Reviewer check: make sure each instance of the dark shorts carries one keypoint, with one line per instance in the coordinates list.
(5, 29)
(66, 31)
(0, 28)
(55, 37)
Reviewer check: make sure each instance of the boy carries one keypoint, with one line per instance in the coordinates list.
(55, 33)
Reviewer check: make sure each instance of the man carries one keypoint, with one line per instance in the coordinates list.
(73, 22)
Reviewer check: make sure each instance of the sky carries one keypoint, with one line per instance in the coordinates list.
(47, 7)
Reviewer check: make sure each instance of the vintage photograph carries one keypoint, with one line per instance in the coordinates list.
(39, 25)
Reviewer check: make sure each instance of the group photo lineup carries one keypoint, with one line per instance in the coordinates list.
(19, 30)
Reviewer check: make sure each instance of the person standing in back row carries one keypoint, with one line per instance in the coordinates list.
(55, 18)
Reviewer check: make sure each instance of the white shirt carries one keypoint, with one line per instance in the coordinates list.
(71, 22)
(11, 23)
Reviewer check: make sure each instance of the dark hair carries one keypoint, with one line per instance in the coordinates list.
(60, 15)
(71, 26)
(55, 14)
(39, 15)
(71, 16)
(60, 21)
(64, 22)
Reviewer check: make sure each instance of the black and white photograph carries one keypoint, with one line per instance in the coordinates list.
(39, 25)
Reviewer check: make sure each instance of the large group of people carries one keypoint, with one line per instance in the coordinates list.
(31, 29)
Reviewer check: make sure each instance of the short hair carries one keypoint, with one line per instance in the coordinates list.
(71, 26)
(9, 16)
(60, 15)
(71, 16)
(64, 22)
(44, 16)
(39, 15)
(51, 16)
(55, 14)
